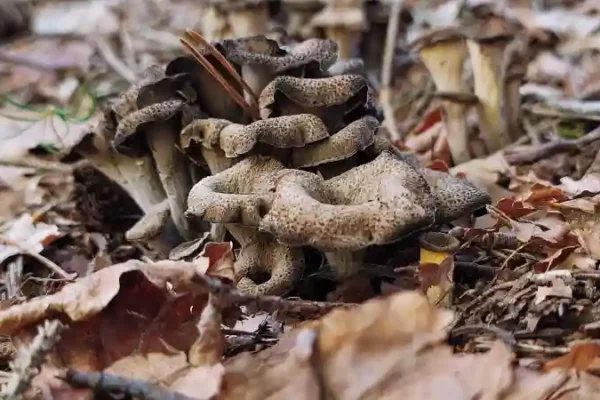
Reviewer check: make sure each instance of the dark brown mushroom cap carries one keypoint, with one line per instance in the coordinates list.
(439, 242)
(160, 100)
(376, 203)
(235, 5)
(236, 139)
(355, 137)
(331, 99)
(438, 36)
(240, 194)
(265, 53)
(492, 30)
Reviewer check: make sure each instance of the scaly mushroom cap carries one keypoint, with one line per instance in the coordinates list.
(355, 137)
(375, 203)
(331, 99)
(264, 255)
(454, 197)
(236, 139)
(240, 194)
(260, 51)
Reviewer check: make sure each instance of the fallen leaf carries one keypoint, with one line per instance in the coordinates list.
(558, 289)
(590, 183)
(579, 358)
(486, 173)
(29, 235)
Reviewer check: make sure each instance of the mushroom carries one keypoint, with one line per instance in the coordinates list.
(241, 194)
(331, 99)
(376, 203)
(154, 128)
(299, 13)
(343, 21)
(223, 19)
(436, 266)
(443, 52)
(157, 229)
(265, 267)
(261, 59)
(486, 51)
(239, 197)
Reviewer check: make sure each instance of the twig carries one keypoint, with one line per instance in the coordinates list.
(29, 359)
(99, 381)
(267, 303)
(385, 93)
(46, 262)
(113, 61)
(558, 146)
(501, 334)
(44, 165)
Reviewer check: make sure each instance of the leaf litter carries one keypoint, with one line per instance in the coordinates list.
(512, 313)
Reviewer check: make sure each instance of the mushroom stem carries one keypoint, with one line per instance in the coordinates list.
(172, 171)
(512, 106)
(486, 59)
(249, 21)
(345, 264)
(344, 39)
(136, 175)
(445, 64)
(436, 266)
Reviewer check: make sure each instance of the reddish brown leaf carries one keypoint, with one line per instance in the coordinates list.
(514, 208)
(579, 358)
(554, 260)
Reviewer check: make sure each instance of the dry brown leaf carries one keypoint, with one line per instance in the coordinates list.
(579, 358)
(216, 259)
(590, 183)
(127, 308)
(554, 259)
(485, 173)
(153, 367)
(28, 235)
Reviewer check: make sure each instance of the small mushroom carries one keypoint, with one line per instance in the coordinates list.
(486, 51)
(154, 126)
(261, 59)
(343, 21)
(331, 99)
(299, 13)
(443, 52)
(240, 194)
(436, 266)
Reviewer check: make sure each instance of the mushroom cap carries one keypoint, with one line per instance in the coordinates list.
(235, 5)
(236, 139)
(352, 66)
(355, 137)
(282, 263)
(454, 196)
(160, 100)
(240, 194)
(438, 36)
(493, 30)
(376, 203)
(266, 53)
(439, 242)
(287, 95)
(353, 18)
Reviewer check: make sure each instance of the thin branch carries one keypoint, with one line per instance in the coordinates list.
(113, 61)
(548, 149)
(46, 262)
(223, 61)
(29, 359)
(215, 74)
(99, 381)
(385, 93)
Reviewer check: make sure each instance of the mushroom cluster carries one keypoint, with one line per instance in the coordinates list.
(275, 147)
(495, 52)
